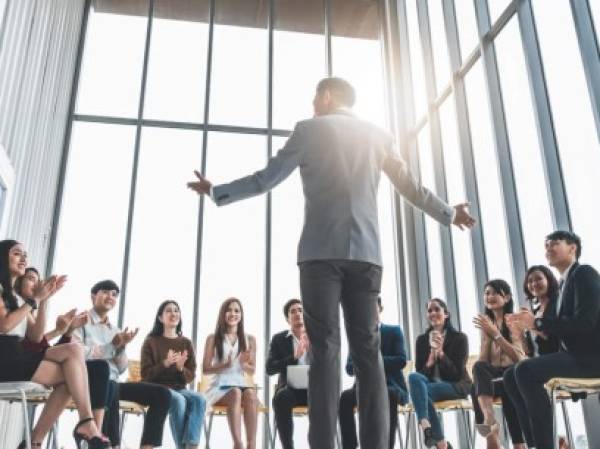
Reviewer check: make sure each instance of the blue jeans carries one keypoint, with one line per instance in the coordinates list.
(424, 393)
(186, 416)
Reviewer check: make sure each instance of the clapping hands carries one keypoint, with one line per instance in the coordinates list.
(123, 338)
(485, 325)
(44, 289)
(302, 348)
(176, 358)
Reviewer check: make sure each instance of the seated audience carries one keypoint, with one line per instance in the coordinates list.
(393, 353)
(501, 347)
(168, 359)
(102, 340)
(441, 371)
(230, 354)
(289, 347)
(541, 289)
(61, 367)
(98, 370)
(576, 325)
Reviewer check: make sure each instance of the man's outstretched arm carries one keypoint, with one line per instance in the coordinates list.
(421, 197)
(278, 168)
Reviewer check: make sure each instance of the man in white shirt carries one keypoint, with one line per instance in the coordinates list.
(104, 341)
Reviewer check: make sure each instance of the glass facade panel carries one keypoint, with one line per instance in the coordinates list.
(467, 27)
(163, 242)
(432, 227)
(239, 73)
(416, 60)
(573, 119)
(497, 7)
(493, 218)
(461, 240)
(441, 60)
(177, 65)
(91, 233)
(299, 60)
(111, 70)
(534, 205)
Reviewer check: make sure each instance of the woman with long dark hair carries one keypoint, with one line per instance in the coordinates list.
(441, 373)
(501, 347)
(62, 367)
(98, 370)
(230, 354)
(168, 359)
(541, 290)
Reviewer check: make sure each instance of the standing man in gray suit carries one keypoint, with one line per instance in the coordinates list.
(340, 158)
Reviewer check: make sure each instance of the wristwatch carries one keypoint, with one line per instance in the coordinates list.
(538, 323)
(31, 302)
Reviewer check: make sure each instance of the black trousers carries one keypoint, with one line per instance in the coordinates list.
(485, 382)
(156, 397)
(531, 375)
(284, 400)
(98, 378)
(348, 425)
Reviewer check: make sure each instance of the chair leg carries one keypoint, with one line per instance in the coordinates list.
(567, 422)
(554, 432)
(399, 432)
(409, 429)
(122, 427)
(274, 437)
(26, 418)
(208, 430)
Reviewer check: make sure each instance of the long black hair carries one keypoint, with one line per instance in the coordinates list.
(159, 329)
(447, 324)
(501, 286)
(8, 294)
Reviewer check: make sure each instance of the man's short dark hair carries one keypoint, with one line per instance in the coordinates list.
(107, 284)
(570, 237)
(288, 305)
(341, 90)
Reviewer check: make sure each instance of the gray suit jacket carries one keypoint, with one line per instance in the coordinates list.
(340, 158)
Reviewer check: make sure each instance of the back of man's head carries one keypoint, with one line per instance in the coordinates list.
(340, 90)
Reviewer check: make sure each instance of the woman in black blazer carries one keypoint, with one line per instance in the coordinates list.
(441, 359)
(541, 289)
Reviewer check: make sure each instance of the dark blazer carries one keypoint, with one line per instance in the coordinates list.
(578, 322)
(393, 352)
(281, 354)
(548, 345)
(453, 366)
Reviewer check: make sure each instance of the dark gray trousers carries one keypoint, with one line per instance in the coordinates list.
(355, 285)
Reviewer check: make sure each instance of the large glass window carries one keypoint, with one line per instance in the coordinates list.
(111, 70)
(440, 47)
(526, 154)
(416, 60)
(573, 119)
(468, 296)
(467, 27)
(91, 234)
(176, 76)
(493, 218)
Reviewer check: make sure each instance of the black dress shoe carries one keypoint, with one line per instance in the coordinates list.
(428, 437)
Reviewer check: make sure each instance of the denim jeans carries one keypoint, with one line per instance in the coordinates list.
(186, 416)
(424, 393)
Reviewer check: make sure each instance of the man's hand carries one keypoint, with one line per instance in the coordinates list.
(79, 320)
(523, 319)
(462, 218)
(202, 186)
(122, 339)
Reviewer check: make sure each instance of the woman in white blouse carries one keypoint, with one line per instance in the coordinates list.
(230, 355)
(62, 367)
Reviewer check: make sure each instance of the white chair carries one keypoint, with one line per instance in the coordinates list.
(24, 392)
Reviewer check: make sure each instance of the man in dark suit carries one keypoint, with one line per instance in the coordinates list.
(393, 353)
(289, 347)
(340, 158)
(577, 325)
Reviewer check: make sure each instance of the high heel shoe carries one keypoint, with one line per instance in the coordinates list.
(94, 442)
(485, 430)
(23, 445)
(428, 438)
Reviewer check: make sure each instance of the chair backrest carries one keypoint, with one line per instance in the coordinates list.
(135, 374)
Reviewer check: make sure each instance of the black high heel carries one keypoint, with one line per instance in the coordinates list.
(23, 445)
(93, 442)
